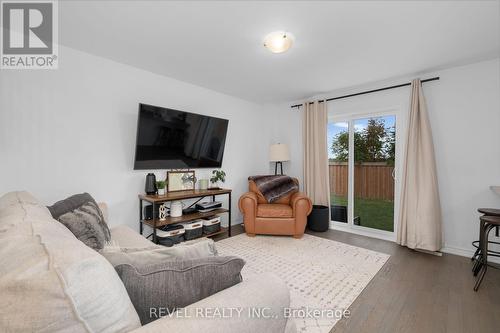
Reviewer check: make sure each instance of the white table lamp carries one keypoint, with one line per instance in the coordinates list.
(279, 153)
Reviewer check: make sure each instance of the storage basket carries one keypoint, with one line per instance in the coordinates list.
(211, 224)
(193, 229)
(170, 235)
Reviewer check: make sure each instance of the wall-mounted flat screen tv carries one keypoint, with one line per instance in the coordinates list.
(172, 139)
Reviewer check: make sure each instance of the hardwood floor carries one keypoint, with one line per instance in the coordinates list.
(417, 292)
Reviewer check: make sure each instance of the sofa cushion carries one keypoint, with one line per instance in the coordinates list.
(50, 281)
(265, 292)
(123, 236)
(274, 210)
(15, 198)
(81, 214)
(168, 285)
(158, 254)
(12, 213)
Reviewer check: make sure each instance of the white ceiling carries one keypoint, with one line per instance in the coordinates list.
(218, 45)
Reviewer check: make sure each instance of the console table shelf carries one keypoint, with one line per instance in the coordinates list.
(156, 200)
(179, 195)
(183, 218)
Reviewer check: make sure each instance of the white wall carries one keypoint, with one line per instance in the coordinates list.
(73, 129)
(286, 127)
(464, 108)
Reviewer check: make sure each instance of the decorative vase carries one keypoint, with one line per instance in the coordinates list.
(176, 208)
(203, 183)
(150, 187)
(161, 191)
(214, 185)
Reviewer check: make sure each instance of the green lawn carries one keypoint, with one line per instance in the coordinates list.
(373, 213)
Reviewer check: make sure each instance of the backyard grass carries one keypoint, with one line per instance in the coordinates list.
(373, 213)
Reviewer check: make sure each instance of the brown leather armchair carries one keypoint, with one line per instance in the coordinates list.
(286, 216)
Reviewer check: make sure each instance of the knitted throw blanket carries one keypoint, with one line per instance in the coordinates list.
(274, 187)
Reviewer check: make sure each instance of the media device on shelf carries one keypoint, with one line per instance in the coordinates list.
(173, 139)
(148, 212)
(189, 210)
(208, 206)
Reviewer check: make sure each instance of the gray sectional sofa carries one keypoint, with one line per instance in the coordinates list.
(52, 282)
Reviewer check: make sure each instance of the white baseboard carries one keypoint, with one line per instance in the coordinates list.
(233, 223)
(463, 252)
(459, 251)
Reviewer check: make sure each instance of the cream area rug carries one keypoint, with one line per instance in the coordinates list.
(322, 275)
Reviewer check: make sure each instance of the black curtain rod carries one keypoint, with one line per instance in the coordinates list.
(369, 91)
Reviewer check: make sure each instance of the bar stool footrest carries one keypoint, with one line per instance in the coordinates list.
(490, 252)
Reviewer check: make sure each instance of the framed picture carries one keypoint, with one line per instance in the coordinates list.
(180, 181)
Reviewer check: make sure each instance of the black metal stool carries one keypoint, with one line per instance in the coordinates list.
(487, 222)
(491, 212)
(487, 212)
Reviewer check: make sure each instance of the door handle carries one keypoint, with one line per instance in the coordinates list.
(394, 173)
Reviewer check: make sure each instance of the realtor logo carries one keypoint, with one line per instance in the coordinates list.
(29, 35)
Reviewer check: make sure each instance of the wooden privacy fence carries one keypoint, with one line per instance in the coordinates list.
(372, 180)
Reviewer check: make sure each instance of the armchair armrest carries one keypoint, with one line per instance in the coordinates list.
(248, 201)
(301, 204)
(248, 207)
(264, 291)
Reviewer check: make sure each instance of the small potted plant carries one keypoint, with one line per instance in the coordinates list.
(218, 176)
(160, 185)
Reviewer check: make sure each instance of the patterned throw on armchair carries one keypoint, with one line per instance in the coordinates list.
(285, 216)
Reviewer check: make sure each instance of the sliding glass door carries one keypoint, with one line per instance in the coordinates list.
(338, 155)
(362, 156)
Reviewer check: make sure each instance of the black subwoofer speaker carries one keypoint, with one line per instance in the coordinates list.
(148, 212)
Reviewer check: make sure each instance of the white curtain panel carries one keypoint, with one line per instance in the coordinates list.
(420, 209)
(315, 122)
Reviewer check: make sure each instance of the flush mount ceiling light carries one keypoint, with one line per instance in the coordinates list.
(278, 41)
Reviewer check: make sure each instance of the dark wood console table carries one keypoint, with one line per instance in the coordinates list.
(156, 200)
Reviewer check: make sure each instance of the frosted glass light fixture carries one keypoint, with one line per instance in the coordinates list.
(278, 41)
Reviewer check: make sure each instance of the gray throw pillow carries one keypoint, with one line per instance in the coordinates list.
(82, 216)
(167, 286)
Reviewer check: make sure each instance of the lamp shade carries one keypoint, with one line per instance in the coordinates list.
(279, 153)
